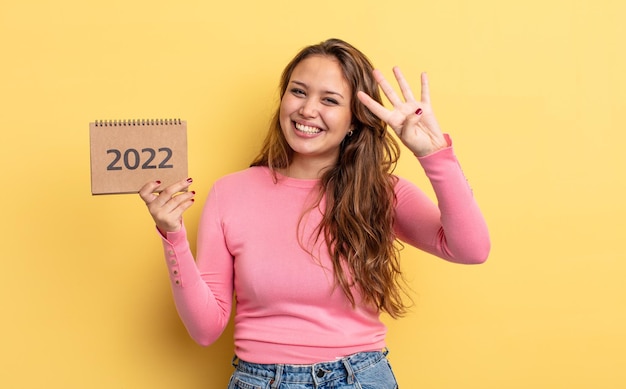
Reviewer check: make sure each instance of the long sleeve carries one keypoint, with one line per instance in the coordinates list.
(203, 292)
(454, 228)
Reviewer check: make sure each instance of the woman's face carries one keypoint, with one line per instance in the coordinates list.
(315, 113)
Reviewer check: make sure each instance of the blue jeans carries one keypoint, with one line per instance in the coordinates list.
(366, 370)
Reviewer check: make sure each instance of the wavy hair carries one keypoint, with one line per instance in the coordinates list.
(358, 218)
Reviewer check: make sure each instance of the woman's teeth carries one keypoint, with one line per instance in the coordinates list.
(307, 129)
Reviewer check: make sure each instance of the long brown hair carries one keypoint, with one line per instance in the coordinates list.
(357, 222)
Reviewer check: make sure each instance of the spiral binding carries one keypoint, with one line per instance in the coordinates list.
(137, 122)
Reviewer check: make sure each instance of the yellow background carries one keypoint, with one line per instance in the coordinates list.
(533, 93)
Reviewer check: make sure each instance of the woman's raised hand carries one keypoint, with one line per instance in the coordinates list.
(167, 207)
(413, 121)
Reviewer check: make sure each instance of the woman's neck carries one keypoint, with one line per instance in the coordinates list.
(307, 168)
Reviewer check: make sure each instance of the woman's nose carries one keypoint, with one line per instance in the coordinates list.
(308, 108)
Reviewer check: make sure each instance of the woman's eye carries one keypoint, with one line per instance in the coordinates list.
(297, 91)
(331, 101)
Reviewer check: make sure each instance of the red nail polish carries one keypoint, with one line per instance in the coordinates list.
(193, 192)
(419, 111)
(158, 182)
(189, 180)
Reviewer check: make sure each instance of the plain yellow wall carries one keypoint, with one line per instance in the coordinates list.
(533, 93)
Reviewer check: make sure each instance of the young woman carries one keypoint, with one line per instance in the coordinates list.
(307, 239)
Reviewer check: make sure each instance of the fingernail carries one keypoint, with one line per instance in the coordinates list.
(189, 180)
(158, 182)
(419, 111)
(193, 192)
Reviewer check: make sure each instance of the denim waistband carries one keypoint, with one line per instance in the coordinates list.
(316, 373)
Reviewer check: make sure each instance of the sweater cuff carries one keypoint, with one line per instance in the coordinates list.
(176, 248)
(444, 171)
(448, 140)
(174, 238)
(432, 162)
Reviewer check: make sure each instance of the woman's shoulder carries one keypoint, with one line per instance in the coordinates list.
(400, 182)
(403, 186)
(248, 176)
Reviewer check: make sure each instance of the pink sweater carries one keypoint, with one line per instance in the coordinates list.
(287, 307)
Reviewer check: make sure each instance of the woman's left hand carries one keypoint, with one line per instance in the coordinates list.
(413, 121)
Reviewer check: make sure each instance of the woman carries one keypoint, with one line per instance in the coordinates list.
(307, 238)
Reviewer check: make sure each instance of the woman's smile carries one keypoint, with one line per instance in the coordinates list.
(306, 129)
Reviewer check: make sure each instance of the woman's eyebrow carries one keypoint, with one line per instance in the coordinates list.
(304, 85)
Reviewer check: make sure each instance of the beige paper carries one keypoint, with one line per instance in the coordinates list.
(127, 154)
